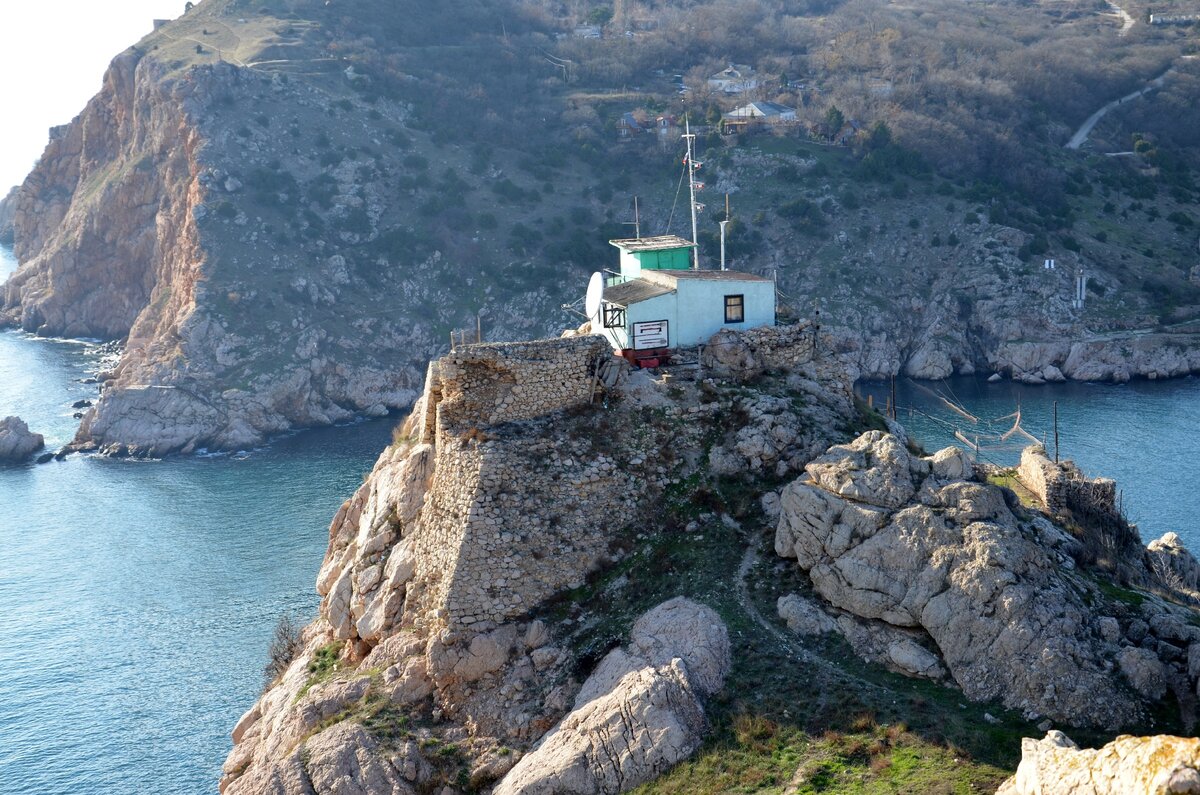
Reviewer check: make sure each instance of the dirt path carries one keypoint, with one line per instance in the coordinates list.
(1127, 21)
(788, 641)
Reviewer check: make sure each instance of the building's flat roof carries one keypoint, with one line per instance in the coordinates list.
(658, 243)
(669, 277)
(634, 291)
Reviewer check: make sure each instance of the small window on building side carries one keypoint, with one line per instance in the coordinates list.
(614, 316)
(735, 309)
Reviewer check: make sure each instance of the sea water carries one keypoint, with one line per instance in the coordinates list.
(1144, 434)
(138, 598)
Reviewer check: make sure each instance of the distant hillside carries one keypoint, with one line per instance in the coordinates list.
(287, 206)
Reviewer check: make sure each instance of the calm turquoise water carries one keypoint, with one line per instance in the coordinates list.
(137, 599)
(1145, 435)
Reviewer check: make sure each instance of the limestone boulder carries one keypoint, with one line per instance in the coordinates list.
(1144, 671)
(804, 616)
(638, 714)
(683, 629)
(951, 464)
(17, 442)
(873, 469)
(910, 657)
(728, 355)
(1054, 765)
(1174, 565)
(956, 565)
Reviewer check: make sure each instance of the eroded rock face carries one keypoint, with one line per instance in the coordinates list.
(1054, 765)
(1174, 565)
(887, 536)
(17, 442)
(638, 714)
(480, 513)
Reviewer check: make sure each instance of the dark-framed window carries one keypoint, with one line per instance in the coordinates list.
(735, 309)
(614, 316)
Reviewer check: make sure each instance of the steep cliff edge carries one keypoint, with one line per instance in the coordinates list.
(532, 590)
(110, 231)
(287, 207)
(8, 210)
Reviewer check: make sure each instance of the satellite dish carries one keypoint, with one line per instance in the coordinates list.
(595, 291)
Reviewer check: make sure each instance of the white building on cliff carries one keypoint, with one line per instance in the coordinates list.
(659, 303)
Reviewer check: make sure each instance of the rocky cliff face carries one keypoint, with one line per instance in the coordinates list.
(465, 581)
(109, 231)
(510, 487)
(8, 211)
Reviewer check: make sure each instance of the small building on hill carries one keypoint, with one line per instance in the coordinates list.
(628, 126)
(659, 303)
(757, 113)
(735, 79)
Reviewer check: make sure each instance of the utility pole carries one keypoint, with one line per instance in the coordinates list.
(723, 223)
(690, 137)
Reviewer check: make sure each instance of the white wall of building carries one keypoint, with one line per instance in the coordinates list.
(696, 311)
(700, 308)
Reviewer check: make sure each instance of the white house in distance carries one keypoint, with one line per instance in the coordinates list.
(659, 303)
(767, 111)
(757, 113)
(736, 79)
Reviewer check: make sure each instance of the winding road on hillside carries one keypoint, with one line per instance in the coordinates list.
(1081, 135)
(1126, 20)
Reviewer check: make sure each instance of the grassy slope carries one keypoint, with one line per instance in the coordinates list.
(797, 715)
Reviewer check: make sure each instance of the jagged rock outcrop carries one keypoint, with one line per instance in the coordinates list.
(17, 442)
(1158, 765)
(507, 487)
(638, 714)
(890, 537)
(1174, 565)
(8, 211)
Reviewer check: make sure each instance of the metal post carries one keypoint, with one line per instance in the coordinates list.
(723, 243)
(452, 340)
(478, 328)
(691, 172)
(1056, 431)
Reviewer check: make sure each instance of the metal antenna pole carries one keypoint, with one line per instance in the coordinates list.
(723, 231)
(637, 220)
(691, 172)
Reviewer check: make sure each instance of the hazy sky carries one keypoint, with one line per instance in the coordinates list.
(53, 54)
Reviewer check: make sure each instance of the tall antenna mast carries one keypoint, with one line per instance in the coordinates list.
(723, 231)
(636, 223)
(690, 137)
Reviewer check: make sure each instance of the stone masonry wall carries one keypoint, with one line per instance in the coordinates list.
(478, 546)
(488, 549)
(1062, 486)
(492, 383)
